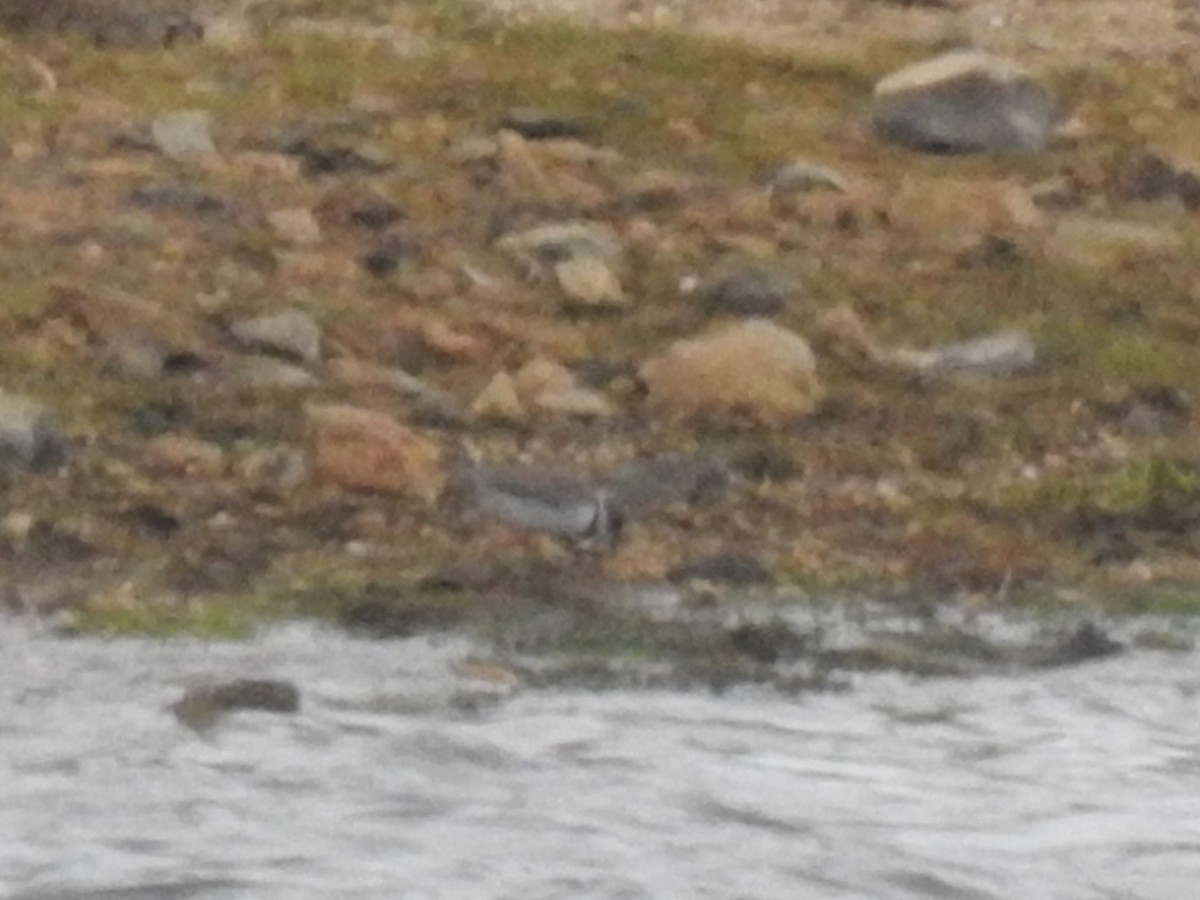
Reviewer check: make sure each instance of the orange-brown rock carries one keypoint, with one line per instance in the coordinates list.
(179, 455)
(754, 372)
(360, 448)
(954, 207)
(548, 386)
(499, 401)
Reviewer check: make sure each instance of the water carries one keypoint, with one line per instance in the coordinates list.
(1075, 783)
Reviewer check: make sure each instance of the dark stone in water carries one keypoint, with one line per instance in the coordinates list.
(768, 642)
(202, 706)
(1087, 642)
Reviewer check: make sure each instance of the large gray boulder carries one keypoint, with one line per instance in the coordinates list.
(965, 102)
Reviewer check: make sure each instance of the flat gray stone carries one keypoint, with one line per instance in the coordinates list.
(137, 357)
(30, 435)
(292, 332)
(268, 372)
(184, 135)
(1002, 353)
(965, 102)
(800, 175)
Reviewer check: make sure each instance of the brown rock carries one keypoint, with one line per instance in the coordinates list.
(499, 401)
(1093, 242)
(590, 282)
(179, 455)
(576, 401)
(539, 377)
(953, 207)
(550, 387)
(752, 371)
(295, 225)
(358, 448)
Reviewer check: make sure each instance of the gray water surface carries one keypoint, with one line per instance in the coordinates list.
(1075, 783)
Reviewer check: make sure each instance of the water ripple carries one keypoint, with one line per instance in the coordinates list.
(1080, 784)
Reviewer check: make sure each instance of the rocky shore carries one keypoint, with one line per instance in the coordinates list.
(420, 313)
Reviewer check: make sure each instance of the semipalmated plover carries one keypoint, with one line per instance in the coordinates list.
(562, 506)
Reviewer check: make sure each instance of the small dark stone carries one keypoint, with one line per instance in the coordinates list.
(154, 419)
(540, 125)
(182, 362)
(51, 545)
(598, 374)
(1147, 179)
(152, 519)
(748, 289)
(181, 198)
(767, 462)
(737, 569)
(1187, 185)
(376, 215)
(992, 252)
(327, 157)
(385, 258)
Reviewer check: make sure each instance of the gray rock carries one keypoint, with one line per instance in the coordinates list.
(184, 135)
(138, 357)
(30, 435)
(182, 198)
(1003, 353)
(747, 289)
(804, 175)
(268, 372)
(292, 332)
(965, 102)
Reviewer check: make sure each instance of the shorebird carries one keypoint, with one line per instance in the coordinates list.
(561, 506)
